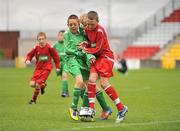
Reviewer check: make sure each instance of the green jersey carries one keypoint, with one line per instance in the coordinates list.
(76, 57)
(59, 46)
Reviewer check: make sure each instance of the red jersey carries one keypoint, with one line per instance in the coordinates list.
(99, 45)
(44, 57)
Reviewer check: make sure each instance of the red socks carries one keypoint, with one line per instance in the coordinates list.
(110, 91)
(36, 92)
(91, 94)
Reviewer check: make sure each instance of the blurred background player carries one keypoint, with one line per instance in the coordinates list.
(99, 46)
(122, 65)
(78, 65)
(59, 46)
(43, 52)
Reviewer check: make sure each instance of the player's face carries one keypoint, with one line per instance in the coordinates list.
(41, 40)
(73, 25)
(60, 36)
(92, 24)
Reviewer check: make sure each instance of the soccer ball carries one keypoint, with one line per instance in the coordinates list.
(86, 114)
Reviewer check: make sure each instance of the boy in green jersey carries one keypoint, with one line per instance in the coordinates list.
(59, 46)
(78, 64)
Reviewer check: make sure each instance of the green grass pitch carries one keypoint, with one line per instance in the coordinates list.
(152, 96)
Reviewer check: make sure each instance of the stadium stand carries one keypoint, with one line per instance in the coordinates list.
(147, 45)
(160, 35)
(173, 17)
(170, 58)
(164, 33)
(175, 52)
(140, 52)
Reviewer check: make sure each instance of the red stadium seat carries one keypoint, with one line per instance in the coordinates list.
(173, 17)
(140, 52)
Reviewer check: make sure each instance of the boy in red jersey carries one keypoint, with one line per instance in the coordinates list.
(98, 45)
(43, 53)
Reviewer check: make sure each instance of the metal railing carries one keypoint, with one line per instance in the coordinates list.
(152, 21)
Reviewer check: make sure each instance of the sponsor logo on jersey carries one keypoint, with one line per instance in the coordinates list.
(43, 58)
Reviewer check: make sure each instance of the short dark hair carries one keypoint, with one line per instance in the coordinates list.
(61, 31)
(93, 15)
(73, 16)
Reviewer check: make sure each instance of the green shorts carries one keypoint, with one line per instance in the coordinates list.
(85, 74)
(75, 71)
(64, 69)
(75, 67)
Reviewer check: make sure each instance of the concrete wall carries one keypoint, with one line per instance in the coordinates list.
(150, 64)
(7, 63)
(177, 64)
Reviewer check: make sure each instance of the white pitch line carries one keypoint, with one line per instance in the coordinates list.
(117, 125)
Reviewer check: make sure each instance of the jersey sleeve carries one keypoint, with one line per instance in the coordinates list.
(55, 57)
(30, 54)
(99, 42)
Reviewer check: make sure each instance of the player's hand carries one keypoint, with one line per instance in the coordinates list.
(92, 60)
(82, 45)
(58, 72)
(28, 62)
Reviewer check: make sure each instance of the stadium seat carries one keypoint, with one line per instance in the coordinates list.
(163, 33)
(173, 17)
(140, 52)
(170, 58)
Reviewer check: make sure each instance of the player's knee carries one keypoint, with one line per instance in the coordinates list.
(64, 77)
(32, 83)
(80, 83)
(93, 77)
(104, 84)
(92, 80)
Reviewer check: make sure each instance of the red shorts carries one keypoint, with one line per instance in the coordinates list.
(103, 66)
(40, 76)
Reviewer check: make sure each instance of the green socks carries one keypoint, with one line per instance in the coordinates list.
(76, 94)
(85, 102)
(101, 100)
(64, 86)
(82, 93)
